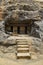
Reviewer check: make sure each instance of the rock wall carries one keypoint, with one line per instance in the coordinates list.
(37, 29)
(3, 35)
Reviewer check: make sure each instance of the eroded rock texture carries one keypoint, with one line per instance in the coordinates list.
(37, 29)
(3, 35)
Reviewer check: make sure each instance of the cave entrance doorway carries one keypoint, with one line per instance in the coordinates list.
(11, 29)
(18, 30)
(22, 30)
(25, 29)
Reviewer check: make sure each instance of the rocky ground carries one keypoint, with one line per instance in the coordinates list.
(7, 61)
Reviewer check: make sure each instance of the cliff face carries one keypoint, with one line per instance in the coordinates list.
(3, 35)
(20, 10)
(40, 4)
(23, 9)
(26, 9)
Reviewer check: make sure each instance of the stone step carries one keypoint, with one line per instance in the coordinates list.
(23, 43)
(22, 46)
(23, 55)
(21, 40)
(22, 49)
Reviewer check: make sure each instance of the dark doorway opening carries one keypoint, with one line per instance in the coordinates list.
(11, 29)
(26, 30)
(18, 30)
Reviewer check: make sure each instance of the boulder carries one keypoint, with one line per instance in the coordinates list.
(37, 29)
(10, 41)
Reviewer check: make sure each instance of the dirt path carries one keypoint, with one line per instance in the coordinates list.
(5, 61)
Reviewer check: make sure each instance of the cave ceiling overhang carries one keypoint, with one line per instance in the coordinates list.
(18, 16)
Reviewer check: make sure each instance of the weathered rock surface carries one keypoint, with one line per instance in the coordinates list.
(3, 35)
(10, 41)
(21, 15)
(37, 29)
(41, 13)
(40, 5)
(20, 10)
(37, 45)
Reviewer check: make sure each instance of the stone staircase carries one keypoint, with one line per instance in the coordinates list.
(23, 49)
